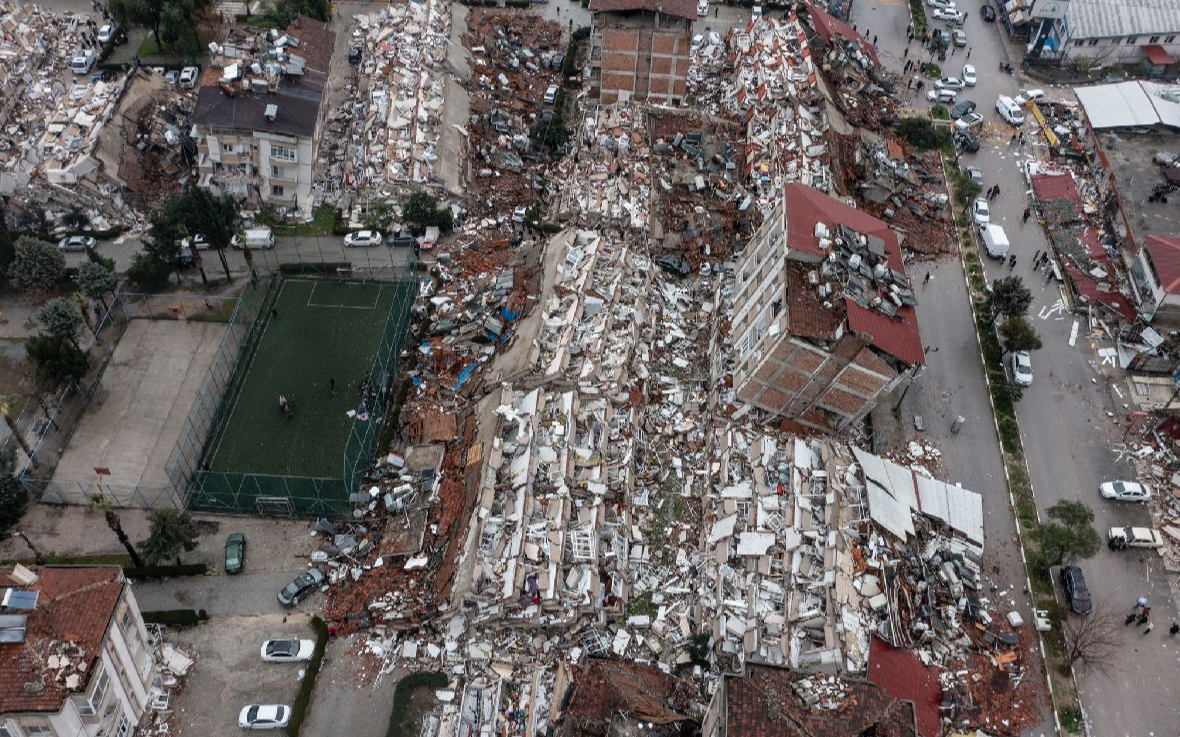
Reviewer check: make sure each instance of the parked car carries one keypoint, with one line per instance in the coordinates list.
(974, 174)
(363, 239)
(402, 239)
(949, 83)
(354, 55)
(551, 94)
(703, 8)
(1076, 592)
(105, 34)
(1125, 491)
(289, 650)
(264, 716)
(945, 14)
(968, 121)
(1022, 368)
(969, 77)
(1121, 538)
(172, 76)
(235, 553)
(1009, 110)
(988, 13)
(945, 97)
(76, 243)
(961, 108)
(307, 581)
(1036, 95)
(942, 33)
(198, 240)
(941, 4)
(959, 38)
(966, 141)
(188, 77)
(980, 212)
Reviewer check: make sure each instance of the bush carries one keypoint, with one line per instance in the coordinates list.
(307, 685)
(192, 569)
(327, 267)
(932, 70)
(938, 112)
(399, 724)
(176, 617)
(923, 134)
(517, 4)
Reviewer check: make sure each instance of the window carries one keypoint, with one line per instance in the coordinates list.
(1093, 42)
(1132, 40)
(127, 620)
(1155, 39)
(39, 730)
(1169, 39)
(277, 171)
(124, 726)
(776, 306)
(1114, 42)
(282, 153)
(100, 691)
(276, 191)
(5, 732)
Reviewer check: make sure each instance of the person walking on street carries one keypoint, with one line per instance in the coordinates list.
(1027, 213)
(1142, 600)
(1146, 612)
(874, 39)
(997, 190)
(1174, 629)
(968, 52)
(1150, 627)
(332, 385)
(1141, 621)
(1012, 262)
(1036, 258)
(1130, 618)
(927, 279)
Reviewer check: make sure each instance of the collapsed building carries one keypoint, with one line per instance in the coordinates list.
(639, 50)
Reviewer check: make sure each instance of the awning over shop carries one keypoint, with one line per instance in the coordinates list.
(1156, 55)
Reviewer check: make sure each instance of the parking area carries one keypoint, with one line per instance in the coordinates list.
(229, 672)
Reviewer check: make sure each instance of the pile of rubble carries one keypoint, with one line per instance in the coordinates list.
(612, 178)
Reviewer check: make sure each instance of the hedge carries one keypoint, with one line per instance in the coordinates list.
(328, 267)
(176, 617)
(307, 686)
(399, 724)
(194, 569)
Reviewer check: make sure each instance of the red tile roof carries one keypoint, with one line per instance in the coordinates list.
(1056, 187)
(1156, 55)
(686, 9)
(764, 703)
(600, 689)
(1087, 286)
(901, 674)
(75, 606)
(898, 336)
(806, 315)
(1165, 255)
(828, 26)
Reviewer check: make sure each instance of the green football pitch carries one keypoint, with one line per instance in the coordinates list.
(323, 331)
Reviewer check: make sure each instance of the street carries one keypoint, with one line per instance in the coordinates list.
(1069, 424)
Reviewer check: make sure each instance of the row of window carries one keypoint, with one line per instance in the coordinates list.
(1132, 40)
(282, 153)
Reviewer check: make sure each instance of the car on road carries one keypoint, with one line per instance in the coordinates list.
(969, 121)
(76, 243)
(354, 55)
(988, 13)
(949, 83)
(946, 14)
(198, 240)
(1121, 538)
(402, 239)
(974, 174)
(105, 34)
(188, 77)
(961, 108)
(966, 141)
(959, 38)
(1125, 491)
(551, 94)
(1022, 368)
(969, 75)
(946, 97)
(264, 716)
(172, 76)
(703, 8)
(1036, 95)
(306, 582)
(288, 650)
(941, 4)
(980, 212)
(363, 239)
(1009, 110)
(235, 553)
(941, 33)
(1077, 595)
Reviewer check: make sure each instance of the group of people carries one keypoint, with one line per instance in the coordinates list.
(993, 192)
(1141, 615)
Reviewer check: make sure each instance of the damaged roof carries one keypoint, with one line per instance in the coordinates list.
(603, 688)
(828, 27)
(1165, 257)
(686, 9)
(900, 673)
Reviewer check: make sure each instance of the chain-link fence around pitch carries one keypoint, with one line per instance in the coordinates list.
(245, 454)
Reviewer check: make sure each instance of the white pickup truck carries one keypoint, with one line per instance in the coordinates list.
(1133, 537)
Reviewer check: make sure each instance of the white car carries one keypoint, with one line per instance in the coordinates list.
(1022, 368)
(105, 34)
(968, 121)
(198, 240)
(969, 77)
(264, 716)
(959, 38)
(551, 94)
(363, 239)
(703, 8)
(941, 4)
(945, 14)
(1125, 491)
(1036, 95)
(188, 77)
(1134, 537)
(946, 97)
(981, 212)
(1009, 110)
(949, 83)
(76, 243)
(287, 650)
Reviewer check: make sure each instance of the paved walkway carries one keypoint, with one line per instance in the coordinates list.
(221, 596)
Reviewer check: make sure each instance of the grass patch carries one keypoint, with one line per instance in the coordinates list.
(932, 70)
(307, 685)
(918, 15)
(1071, 718)
(323, 220)
(402, 723)
(221, 313)
(938, 112)
(149, 47)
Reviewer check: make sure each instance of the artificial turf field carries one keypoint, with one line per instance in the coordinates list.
(324, 330)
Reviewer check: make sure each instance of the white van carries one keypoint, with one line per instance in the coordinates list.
(256, 238)
(82, 60)
(995, 240)
(1009, 110)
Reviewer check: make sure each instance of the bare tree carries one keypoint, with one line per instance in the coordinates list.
(1092, 641)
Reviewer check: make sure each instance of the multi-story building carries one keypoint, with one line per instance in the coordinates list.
(75, 659)
(639, 49)
(1105, 32)
(823, 320)
(259, 112)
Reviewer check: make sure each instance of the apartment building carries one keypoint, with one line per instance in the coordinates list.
(1105, 32)
(823, 321)
(259, 113)
(639, 49)
(75, 659)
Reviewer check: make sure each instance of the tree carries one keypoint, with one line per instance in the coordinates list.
(421, 210)
(7, 247)
(1091, 642)
(37, 267)
(551, 133)
(1010, 298)
(146, 13)
(75, 219)
(14, 500)
(96, 280)
(1083, 63)
(61, 317)
(1069, 535)
(966, 192)
(56, 360)
(1019, 335)
(380, 217)
(8, 409)
(161, 250)
(172, 532)
(102, 504)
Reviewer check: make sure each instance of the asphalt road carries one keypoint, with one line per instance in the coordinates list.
(1071, 439)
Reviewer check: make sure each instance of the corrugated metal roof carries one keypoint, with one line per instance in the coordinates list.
(1106, 18)
(893, 499)
(1131, 104)
(959, 508)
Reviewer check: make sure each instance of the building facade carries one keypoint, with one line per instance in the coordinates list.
(639, 49)
(80, 664)
(823, 319)
(259, 113)
(1106, 32)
